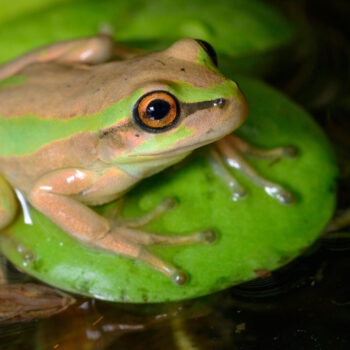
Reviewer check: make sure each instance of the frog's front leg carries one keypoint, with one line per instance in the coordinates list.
(59, 196)
(231, 148)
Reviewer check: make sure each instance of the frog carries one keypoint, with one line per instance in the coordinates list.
(83, 121)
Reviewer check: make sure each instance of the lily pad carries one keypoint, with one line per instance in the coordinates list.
(256, 233)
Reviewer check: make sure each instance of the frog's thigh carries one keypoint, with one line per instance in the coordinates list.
(53, 196)
(92, 50)
(8, 203)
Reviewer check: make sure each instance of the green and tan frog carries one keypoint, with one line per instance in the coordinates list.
(83, 121)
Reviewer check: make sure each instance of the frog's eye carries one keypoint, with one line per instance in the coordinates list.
(209, 50)
(156, 111)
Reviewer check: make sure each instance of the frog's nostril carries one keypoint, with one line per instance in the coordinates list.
(220, 102)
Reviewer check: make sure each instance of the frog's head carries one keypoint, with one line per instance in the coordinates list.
(179, 102)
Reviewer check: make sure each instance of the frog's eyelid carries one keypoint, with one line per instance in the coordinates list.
(209, 50)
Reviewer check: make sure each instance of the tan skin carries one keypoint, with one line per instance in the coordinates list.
(63, 177)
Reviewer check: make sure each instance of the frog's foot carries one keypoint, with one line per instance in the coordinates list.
(124, 239)
(231, 148)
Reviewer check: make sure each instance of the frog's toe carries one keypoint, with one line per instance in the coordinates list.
(286, 198)
(290, 152)
(169, 203)
(179, 278)
(238, 194)
(208, 236)
(283, 196)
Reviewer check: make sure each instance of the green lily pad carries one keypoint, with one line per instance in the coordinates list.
(255, 233)
(236, 28)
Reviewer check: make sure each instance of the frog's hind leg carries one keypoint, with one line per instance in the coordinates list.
(231, 148)
(8, 203)
(91, 50)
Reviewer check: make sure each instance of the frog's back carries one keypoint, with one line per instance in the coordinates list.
(53, 91)
(48, 102)
(43, 112)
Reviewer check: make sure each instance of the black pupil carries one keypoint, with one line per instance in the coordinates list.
(157, 109)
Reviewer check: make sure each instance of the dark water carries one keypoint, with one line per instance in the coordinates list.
(305, 305)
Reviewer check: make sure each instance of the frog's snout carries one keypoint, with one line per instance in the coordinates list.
(220, 102)
(240, 108)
